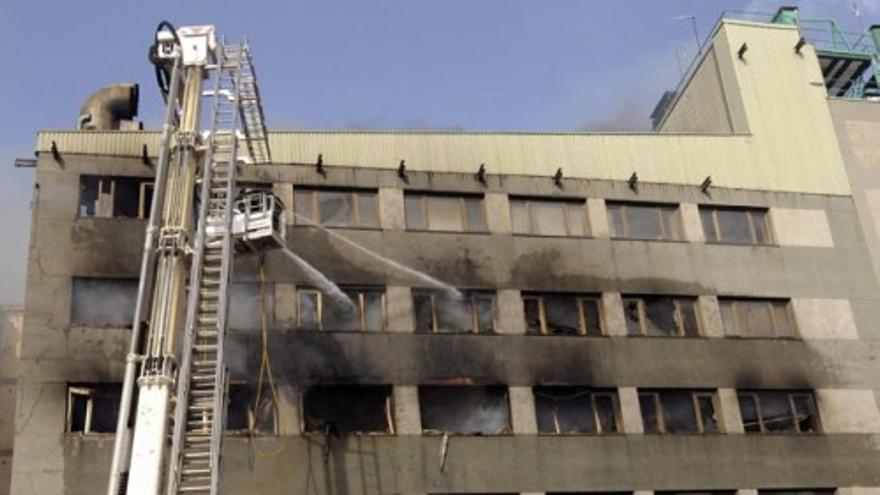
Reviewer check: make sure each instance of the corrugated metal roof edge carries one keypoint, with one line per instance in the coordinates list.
(441, 132)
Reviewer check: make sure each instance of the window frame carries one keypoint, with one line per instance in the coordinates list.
(314, 213)
(695, 395)
(567, 204)
(749, 211)
(790, 395)
(665, 227)
(677, 316)
(462, 211)
(89, 393)
(785, 304)
(106, 208)
(541, 298)
(391, 427)
(360, 301)
(470, 297)
(597, 423)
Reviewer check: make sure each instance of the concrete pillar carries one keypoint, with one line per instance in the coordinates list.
(710, 316)
(498, 213)
(289, 421)
(859, 490)
(691, 225)
(597, 215)
(847, 411)
(285, 306)
(630, 411)
(824, 319)
(800, 227)
(38, 455)
(747, 491)
(612, 307)
(399, 304)
(407, 416)
(643, 492)
(727, 411)
(511, 317)
(284, 192)
(391, 210)
(522, 411)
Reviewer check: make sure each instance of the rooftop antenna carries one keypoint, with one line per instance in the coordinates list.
(693, 19)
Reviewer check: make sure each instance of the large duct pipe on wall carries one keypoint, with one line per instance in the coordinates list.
(113, 107)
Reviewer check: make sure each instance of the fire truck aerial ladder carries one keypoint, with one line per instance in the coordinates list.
(171, 443)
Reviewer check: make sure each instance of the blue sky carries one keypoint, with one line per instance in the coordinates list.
(328, 64)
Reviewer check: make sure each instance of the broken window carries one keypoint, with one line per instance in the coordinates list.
(659, 316)
(348, 409)
(336, 207)
(445, 212)
(548, 217)
(93, 407)
(778, 412)
(576, 410)
(103, 302)
(439, 311)
(563, 314)
(465, 410)
(243, 415)
(756, 318)
(678, 411)
(363, 309)
(105, 196)
(643, 221)
(735, 225)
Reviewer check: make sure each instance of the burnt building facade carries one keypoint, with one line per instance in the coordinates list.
(687, 310)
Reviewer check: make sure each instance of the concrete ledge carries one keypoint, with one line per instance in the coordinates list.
(410, 464)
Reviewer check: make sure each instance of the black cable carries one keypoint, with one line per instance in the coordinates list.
(163, 77)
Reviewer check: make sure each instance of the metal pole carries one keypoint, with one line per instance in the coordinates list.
(122, 440)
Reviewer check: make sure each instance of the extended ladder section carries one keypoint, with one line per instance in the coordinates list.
(253, 122)
(200, 417)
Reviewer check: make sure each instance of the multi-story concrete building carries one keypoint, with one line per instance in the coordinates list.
(687, 310)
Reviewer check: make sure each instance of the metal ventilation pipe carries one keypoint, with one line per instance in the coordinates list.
(108, 107)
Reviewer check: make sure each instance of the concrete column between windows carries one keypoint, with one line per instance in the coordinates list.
(522, 411)
(847, 411)
(392, 215)
(747, 491)
(630, 411)
(643, 492)
(289, 422)
(597, 215)
(612, 307)
(824, 319)
(407, 416)
(284, 192)
(801, 227)
(511, 317)
(285, 306)
(859, 490)
(399, 307)
(497, 207)
(691, 225)
(710, 316)
(727, 411)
